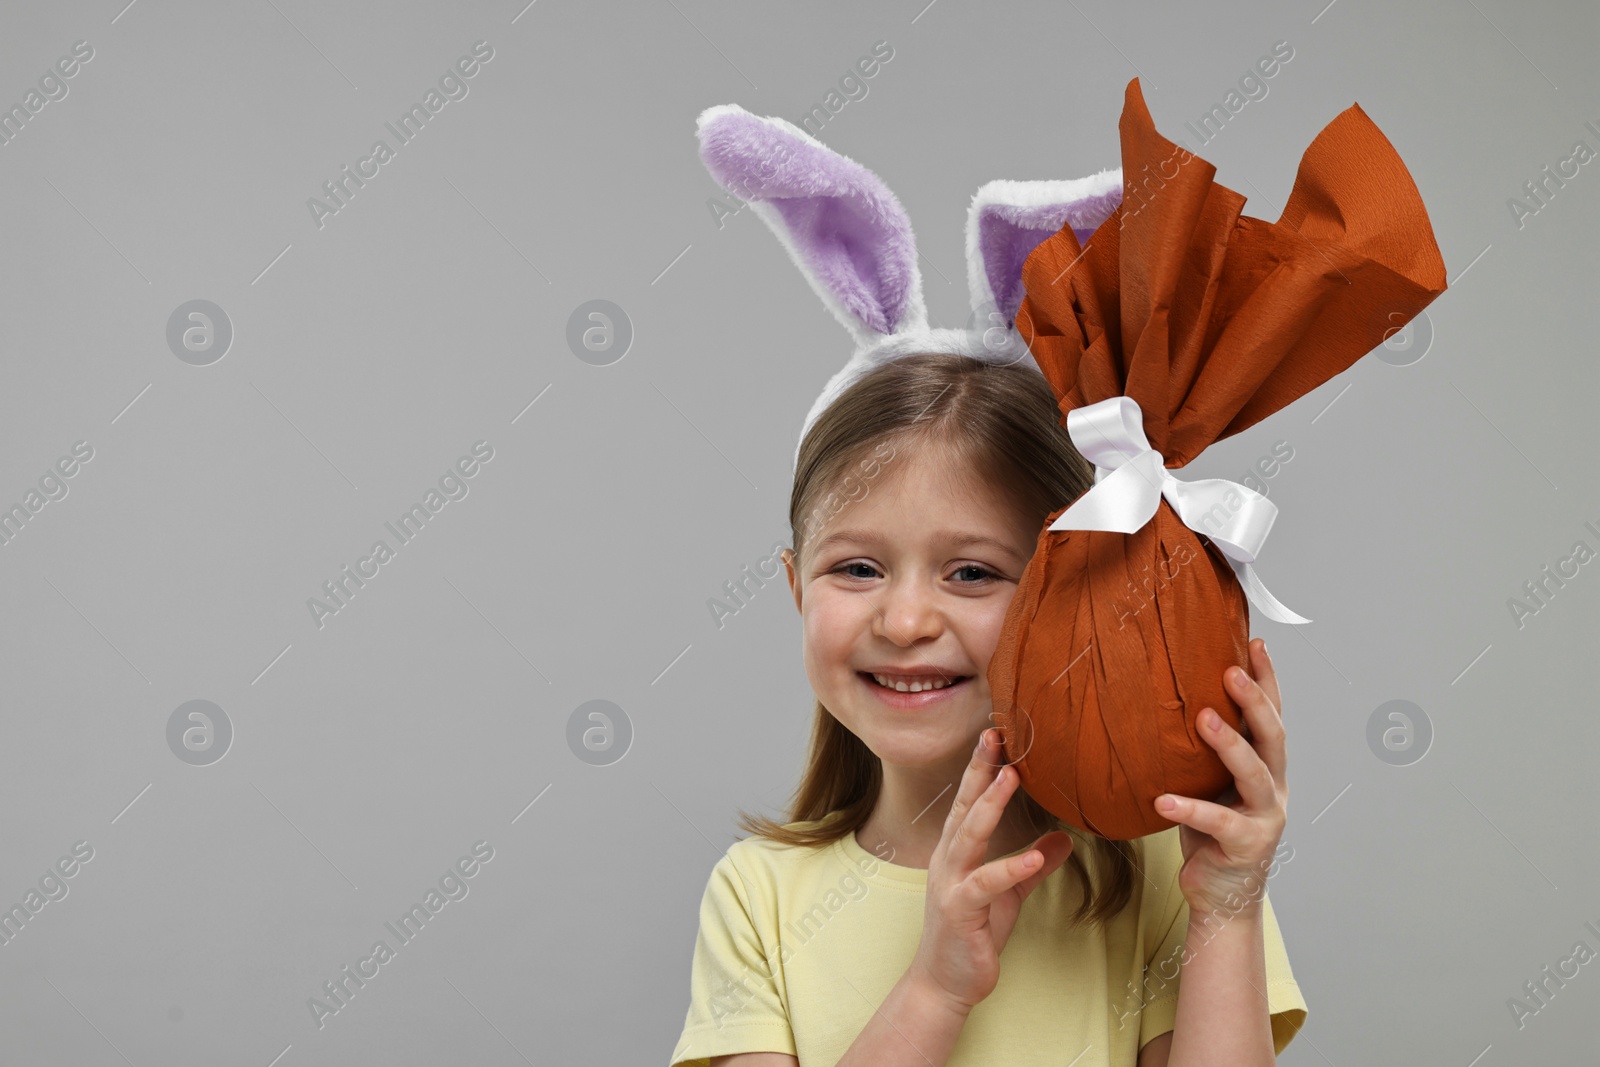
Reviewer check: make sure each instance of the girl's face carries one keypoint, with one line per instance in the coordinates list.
(911, 580)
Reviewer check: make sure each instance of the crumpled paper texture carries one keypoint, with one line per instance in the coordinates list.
(1211, 321)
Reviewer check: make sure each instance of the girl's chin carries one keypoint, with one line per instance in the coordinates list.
(931, 758)
(926, 736)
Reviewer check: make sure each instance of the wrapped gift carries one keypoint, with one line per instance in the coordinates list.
(1177, 323)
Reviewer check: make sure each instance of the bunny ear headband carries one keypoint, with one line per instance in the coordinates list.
(852, 241)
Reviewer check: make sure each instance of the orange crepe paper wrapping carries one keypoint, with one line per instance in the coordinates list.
(1210, 321)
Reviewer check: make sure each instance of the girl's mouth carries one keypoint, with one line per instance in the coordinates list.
(895, 698)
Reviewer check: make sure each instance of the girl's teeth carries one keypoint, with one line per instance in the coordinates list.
(911, 687)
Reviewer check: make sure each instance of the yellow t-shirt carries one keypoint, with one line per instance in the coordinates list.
(798, 945)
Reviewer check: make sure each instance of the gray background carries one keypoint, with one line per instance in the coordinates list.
(434, 710)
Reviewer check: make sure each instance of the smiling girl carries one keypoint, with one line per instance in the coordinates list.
(1158, 951)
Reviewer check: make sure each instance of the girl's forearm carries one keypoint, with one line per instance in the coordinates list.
(1222, 1018)
(914, 1027)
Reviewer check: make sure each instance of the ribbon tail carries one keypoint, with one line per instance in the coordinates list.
(1262, 600)
(1235, 516)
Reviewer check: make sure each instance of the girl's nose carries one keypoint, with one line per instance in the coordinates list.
(908, 612)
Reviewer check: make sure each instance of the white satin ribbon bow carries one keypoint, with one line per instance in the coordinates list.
(1130, 479)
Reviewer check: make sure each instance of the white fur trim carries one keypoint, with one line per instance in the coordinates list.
(1007, 193)
(718, 110)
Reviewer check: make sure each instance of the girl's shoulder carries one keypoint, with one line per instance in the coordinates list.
(755, 844)
(762, 866)
(816, 839)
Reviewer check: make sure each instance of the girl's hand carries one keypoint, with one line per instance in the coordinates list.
(971, 905)
(1228, 846)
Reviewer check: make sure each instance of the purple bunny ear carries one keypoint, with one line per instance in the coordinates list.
(1009, 219)
(842, 226)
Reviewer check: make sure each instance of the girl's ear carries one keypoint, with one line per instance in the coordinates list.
(1009, 219)
(789, 562)
(838, 221)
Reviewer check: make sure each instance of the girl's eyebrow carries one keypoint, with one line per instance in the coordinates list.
(956, 538)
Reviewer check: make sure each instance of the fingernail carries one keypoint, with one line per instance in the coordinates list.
(1165, 803)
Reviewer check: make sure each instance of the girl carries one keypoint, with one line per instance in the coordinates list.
(869, 928)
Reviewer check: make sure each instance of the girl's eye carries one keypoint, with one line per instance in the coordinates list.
(989, 574)
(846, 566)
(984, 573)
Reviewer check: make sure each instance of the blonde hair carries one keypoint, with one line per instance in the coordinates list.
(1003, 424)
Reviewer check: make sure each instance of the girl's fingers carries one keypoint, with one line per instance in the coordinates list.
(1252, 777)
(974, 780)
(1265, 675)
(1023, 871)
(1261, 719)
(970, 840)
(1055, 847)
(1231, 829)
